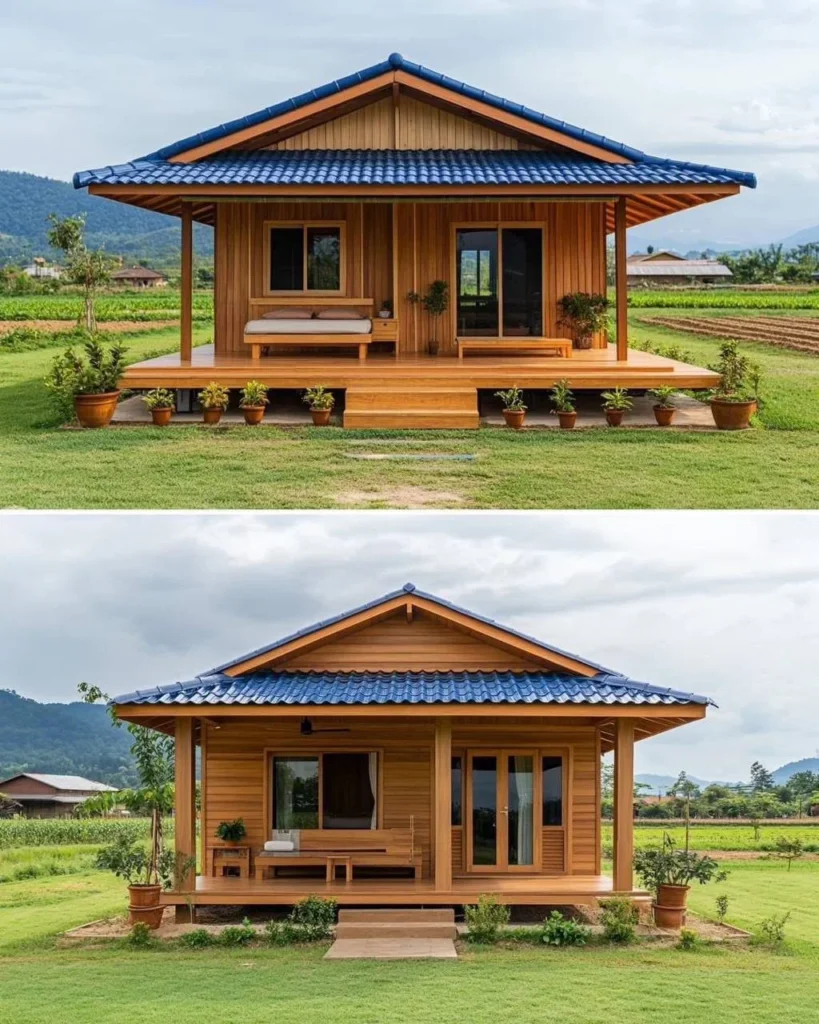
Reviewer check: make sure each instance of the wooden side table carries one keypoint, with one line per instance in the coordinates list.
(386, 330)
(221, 857)
(335, 860)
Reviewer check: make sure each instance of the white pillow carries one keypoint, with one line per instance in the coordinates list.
(279, 846)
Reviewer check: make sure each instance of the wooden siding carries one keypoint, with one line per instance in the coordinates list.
(553, 851)
(420, 126)
(422, 236)
(396, 645)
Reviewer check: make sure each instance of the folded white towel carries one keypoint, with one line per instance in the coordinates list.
(279, 846)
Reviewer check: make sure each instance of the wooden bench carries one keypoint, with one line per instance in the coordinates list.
(560, 346)
(350, 848)
(258, 341)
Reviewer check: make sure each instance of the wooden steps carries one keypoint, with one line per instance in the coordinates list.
(437, 923)
(408, 407)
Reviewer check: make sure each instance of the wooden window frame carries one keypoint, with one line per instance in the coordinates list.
(496, 225)
(305, 225)
(268, 790)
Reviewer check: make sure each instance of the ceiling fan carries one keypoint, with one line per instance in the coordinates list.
(306, 728)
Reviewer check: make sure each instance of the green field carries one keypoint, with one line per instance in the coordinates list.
(659, 298)
(723, 837)
(775, 465)
(595, 985)
(162, 304)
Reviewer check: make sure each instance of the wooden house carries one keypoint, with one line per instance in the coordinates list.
(670, 270)
(50, 796)
(355, 197)
(138, 277)
(406, 752)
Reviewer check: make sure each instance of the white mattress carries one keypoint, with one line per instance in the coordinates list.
(363, 326)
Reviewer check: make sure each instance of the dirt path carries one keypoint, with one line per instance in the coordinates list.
(65, 325)
(800, 334)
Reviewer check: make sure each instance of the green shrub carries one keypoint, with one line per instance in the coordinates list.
(512, 399)
(318, 398)
(315, 915)
(197, 939)
(563, 931)
(231, 831)
(283, 933)
(619, 917)
(721, 903)
(238, 934)
(140, 936)
(771, 930)
(688, 939)
(485, 919)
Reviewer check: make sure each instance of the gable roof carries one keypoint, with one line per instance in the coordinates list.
(63, 782)
(365, 688)
(678, 268)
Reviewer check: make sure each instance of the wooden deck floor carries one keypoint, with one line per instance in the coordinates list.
(593, 369)
(518, 889)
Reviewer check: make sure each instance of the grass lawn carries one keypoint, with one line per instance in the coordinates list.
(722, 837)
(775, 466)
(595, 985)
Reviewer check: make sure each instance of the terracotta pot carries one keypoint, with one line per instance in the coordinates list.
(582, 343)
(668, 917)
(514, 418)
(567, 420)
(254, 414)
(152, 916)
(321, 417)
(664, 414)
(144, 895)
(433, 348)
(732, 415)
(614, 417)
(675, 896)
(96, 410)
(212, 415)
(161, 417)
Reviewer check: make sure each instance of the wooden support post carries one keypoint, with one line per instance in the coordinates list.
(185, 799)
(620, 279)
(442, 803)
(623, 805)
(186, 286)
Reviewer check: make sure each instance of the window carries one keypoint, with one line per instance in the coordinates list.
(552, 790)
(325, 791)
(457, 790)
(304, 258)
(499, 282)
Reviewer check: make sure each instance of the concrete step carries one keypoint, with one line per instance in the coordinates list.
(441, 915)
(396, 930)
(412, 419)
(391, 949)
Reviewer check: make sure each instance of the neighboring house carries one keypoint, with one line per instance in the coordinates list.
(50, 796)
(39, 268)
(138, 277)
(664, 269)
(443, 752)
(369, 189)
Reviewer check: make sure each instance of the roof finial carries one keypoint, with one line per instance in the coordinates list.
(396, 60)
(409, 587)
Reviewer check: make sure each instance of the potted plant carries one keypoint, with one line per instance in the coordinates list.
(161, 402)
(231, 832)
(585, 315)
(563, 404)
(146, 872)
(514, 411)
(253, 402)
(435, 301)
(736, 397)
(88, 383)
(214, 400)
(385, 310)
(616, 403)
(321, 402)
(664, 408)
(668, 873)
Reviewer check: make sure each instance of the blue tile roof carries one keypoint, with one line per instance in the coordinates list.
(155, 163)
(408, 588)
(361, 688)
(407, 167)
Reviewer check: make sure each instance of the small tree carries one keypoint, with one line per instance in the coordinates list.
(761, 779)
(803, 785)
(685, 790)
(86, 267)
(788, 849)
(435, 301)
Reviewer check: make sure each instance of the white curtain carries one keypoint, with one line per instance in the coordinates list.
(373, 771)
(524, 787)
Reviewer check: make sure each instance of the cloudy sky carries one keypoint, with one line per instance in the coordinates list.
(733, 83)
(706, 602)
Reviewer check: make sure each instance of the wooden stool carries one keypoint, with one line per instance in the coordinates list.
(222, 857)
(335, 860)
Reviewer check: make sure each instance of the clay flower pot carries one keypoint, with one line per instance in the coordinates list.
(96, 410)
(664, 414)
(673, 896)
(321, 417)
(161, 417)
(567, 420)
(668, 917)
(614, 417)
(254, 414)
(212, 416)
(144, 905)
(514, 418)
(732, 415)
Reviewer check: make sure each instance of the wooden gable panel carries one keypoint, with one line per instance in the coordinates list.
(396, 645)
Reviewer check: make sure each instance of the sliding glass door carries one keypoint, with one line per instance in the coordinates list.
(499, 282)
(503, 811)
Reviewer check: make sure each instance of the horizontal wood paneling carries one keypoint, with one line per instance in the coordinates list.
(552, 849)
(457, 851)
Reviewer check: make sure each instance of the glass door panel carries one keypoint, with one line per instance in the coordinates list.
(477, 271)
(522, 275)
(484, 810)
(520, 810)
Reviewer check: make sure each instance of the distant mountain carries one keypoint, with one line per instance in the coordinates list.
(26, 200)
(803, 237)
(662, 783)
(807, 764)
(65, 739)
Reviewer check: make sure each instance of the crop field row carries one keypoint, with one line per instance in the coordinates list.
(17, 832)
(672, 298)
(798, 333)
(134, 307)
(727, 838)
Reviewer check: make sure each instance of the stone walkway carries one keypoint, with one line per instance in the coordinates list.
(391, 949)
